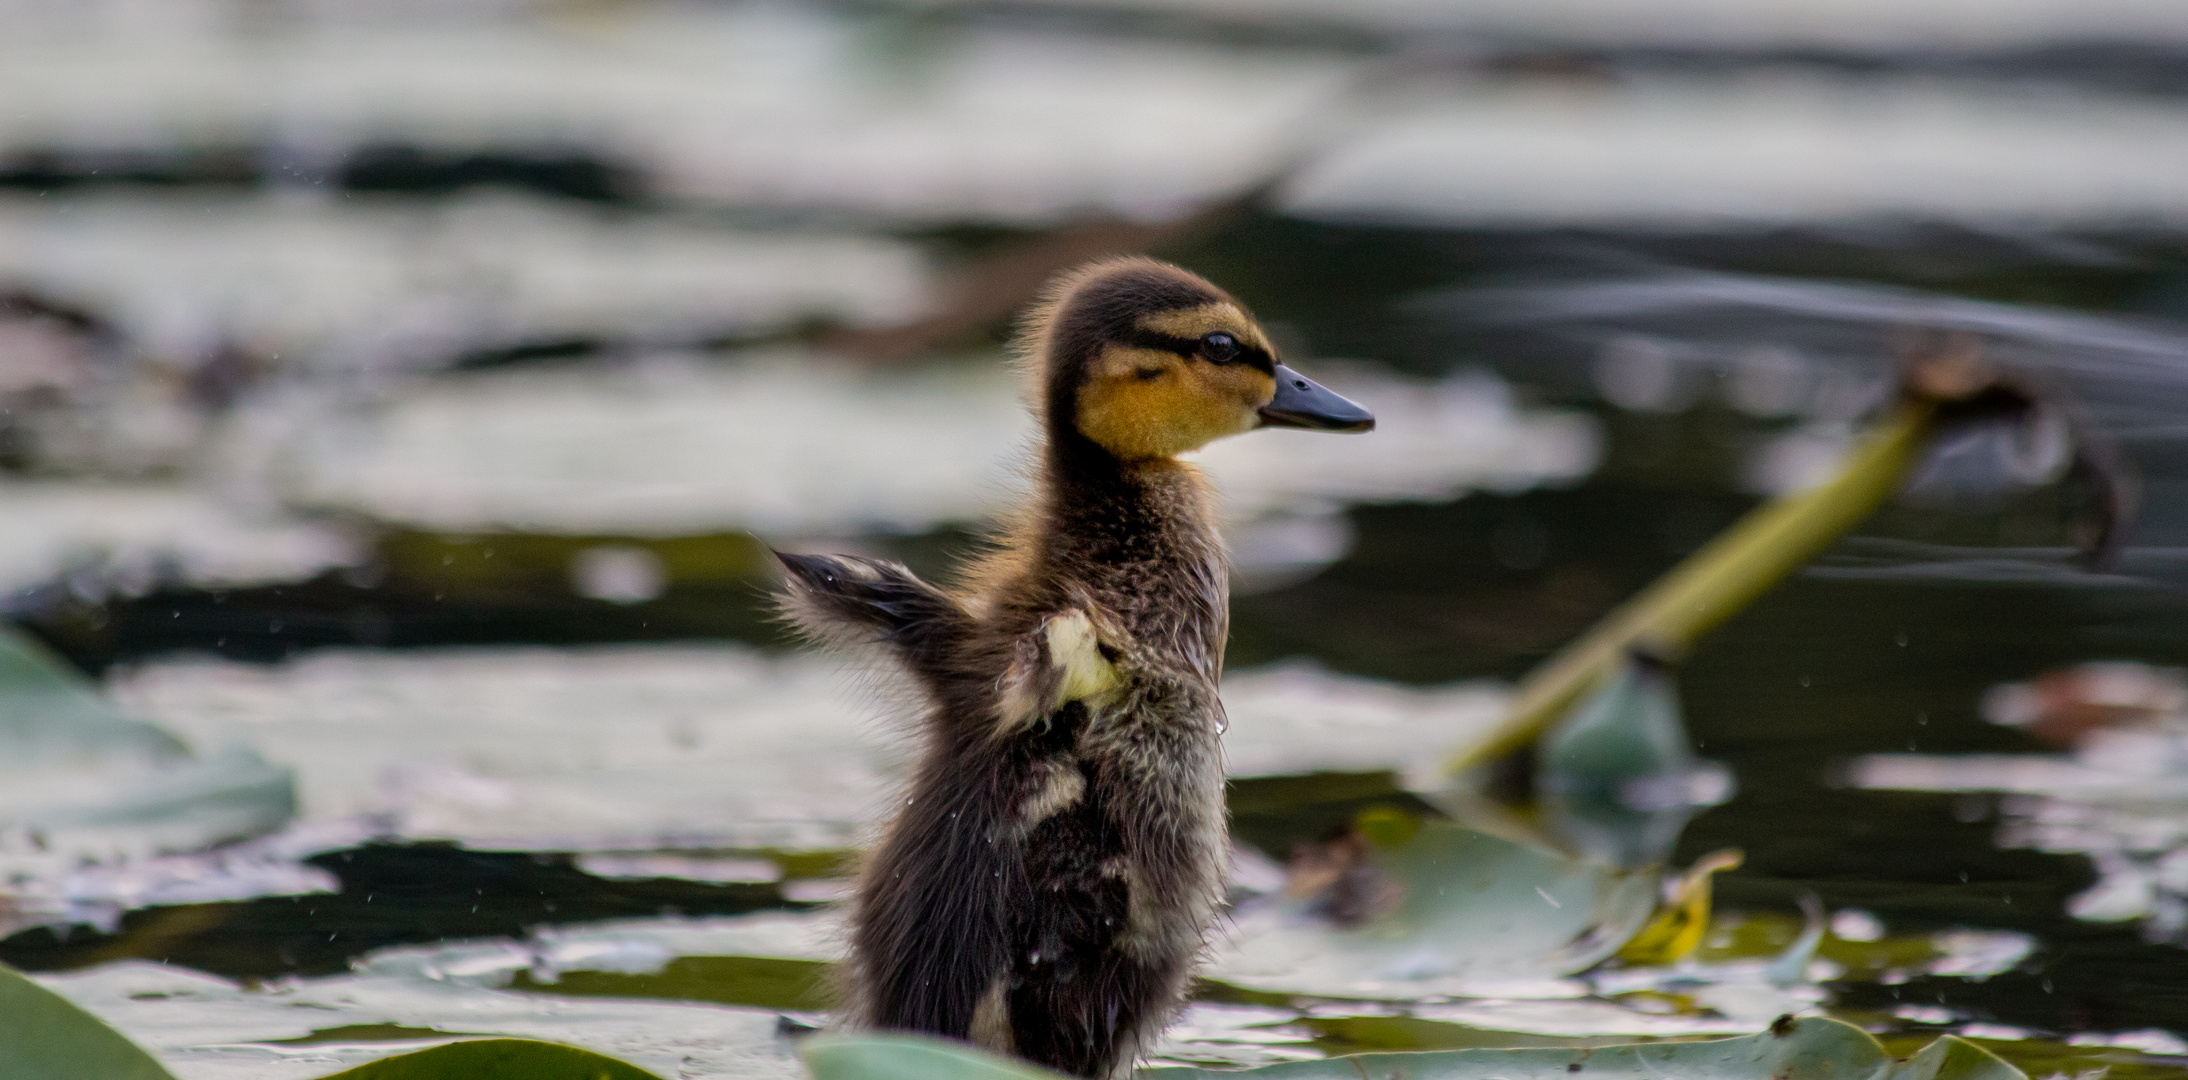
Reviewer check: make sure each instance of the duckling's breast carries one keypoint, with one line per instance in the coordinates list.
(1122, 848)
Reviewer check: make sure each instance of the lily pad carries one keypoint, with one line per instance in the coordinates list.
(1812, 1048)
(2048, 1058)
(1457, 911)
(56, 720)
(762, 981)
(217, 1028)
(86, 780)
(45, 1037)
(499, 1059)
(1617, 779)
(910, 1057)
(1955, 1058)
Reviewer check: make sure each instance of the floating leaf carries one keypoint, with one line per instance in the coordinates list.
(43, 1036)
(1677, 929)
(910, 1057)
(2038, 1057)
(1617, 778)
(1383, 1034)
(497, 1059)
(1807, 1049)
(352, 1034)
(87, 779)
(56, 718)
(759, 981)
(1455, 908)
(1630, 731)
(1813, 1048)
(1955, 1058)
(1790, 968)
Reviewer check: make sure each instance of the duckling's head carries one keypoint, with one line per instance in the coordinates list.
(1146, 361)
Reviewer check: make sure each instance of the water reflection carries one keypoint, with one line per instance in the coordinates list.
(2115, 797)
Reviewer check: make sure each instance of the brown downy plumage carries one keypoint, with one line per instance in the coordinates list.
(1053, 867)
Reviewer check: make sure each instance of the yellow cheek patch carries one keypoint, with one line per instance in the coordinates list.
(1181, 409)
(1207, 319)
(1249, 385)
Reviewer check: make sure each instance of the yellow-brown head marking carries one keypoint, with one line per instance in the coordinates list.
(1146, 360)
(1188, 377)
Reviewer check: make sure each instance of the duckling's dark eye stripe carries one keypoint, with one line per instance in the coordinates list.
(1252, 356)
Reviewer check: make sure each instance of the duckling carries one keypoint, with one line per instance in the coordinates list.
(1053, 867)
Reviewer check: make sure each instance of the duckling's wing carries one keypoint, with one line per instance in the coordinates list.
(848, 600)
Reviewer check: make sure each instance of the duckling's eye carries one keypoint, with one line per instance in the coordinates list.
(1219, 347)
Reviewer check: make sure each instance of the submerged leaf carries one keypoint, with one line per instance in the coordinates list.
(497, 1059)
(43, 1036)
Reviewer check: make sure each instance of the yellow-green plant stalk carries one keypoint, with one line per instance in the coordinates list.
(1716, 582)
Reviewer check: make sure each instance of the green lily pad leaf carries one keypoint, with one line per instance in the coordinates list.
(1813, 1048)
(909, 1057)
(57, 719)
(497, 1059)
(43, 1036)
(86, 778)
(1618, 778)
(1401, 904)
(1955, 1058)
(763, 982)
(1631, 730)
(1444, 909)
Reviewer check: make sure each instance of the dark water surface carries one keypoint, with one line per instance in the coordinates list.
(1867, 653)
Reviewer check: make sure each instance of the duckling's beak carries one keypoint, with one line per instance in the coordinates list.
(1301, 402)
